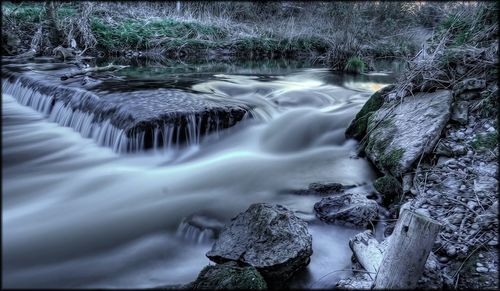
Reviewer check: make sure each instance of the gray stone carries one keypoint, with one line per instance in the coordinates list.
(407, 183)
(485, 184)
(401, 132)
(482, 270)
(471, 84)
(269, 237)
(347, 209)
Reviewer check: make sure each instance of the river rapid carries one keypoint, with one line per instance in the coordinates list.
(78, 214)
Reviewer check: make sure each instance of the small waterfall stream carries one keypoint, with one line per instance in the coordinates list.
(80, 213)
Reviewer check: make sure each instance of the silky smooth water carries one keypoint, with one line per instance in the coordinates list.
(78, 214)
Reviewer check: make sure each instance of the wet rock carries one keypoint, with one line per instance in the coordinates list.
(199, 228)
(326, 188)
(401, 132)
(228, 276)
(269, 237)
(347, 209)
(357, 128)
(177, 116)
(321, 189)
(390, 188)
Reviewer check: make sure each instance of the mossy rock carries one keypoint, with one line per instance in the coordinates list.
(228, 276)
(390, 188)
(357, 128)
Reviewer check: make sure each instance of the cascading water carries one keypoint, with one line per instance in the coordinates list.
(162, 136)
(79, 215)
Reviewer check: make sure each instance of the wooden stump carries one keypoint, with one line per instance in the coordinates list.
(407, 251)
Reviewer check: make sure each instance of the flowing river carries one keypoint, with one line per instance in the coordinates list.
(79, 213)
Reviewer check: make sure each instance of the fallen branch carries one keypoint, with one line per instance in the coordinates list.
(92, 70)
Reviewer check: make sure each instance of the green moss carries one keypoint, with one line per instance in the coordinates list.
(354, 65)
(229, 277)
(357, 128)
(391, 161)
(485, 142)
(390, 188)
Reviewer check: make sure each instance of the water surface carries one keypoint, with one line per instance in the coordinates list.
(76, 214)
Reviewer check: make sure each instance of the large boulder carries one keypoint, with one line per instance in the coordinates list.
(228, 276)
(357, 128)
(269, 237)
(350, 209)
(401, 131)
(126, 116)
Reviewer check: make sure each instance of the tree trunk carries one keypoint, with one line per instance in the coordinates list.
(54, 32)
(367, 251)
(407, 251)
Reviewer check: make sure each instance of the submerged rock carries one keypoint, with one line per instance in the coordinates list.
(347, 209)
(322, 189)
(199, 228)
(269, 237)
(122, 119)
(228, 276)
(400, 132)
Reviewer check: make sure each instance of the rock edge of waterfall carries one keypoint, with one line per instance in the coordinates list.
(436, 145)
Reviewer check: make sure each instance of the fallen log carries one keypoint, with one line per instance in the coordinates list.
(407, 251)
(367, 250)
(85, 71)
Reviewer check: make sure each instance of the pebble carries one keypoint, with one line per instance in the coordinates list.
(471, 205)
(482, 270)
(451, 251)
(491, 129)
(479, 264)
(463, 187)
(470, 153)
(443, 259)
(460, 135)
(469, 130)
(493, 243)
(481, 256)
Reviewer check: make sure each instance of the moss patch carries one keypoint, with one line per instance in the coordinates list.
(391, 161)
(229, 277)
(485, 142)
(357, 128)
(390, 188)
(355, 65)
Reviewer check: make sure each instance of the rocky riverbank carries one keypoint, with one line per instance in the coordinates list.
(434, 135)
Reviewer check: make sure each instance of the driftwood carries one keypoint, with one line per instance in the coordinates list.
(367, 251)
(92, 70)
(407, 251)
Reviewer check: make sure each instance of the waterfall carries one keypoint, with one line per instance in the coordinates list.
(189, 129)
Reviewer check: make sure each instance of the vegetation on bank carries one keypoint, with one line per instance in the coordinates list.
(345, 35)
